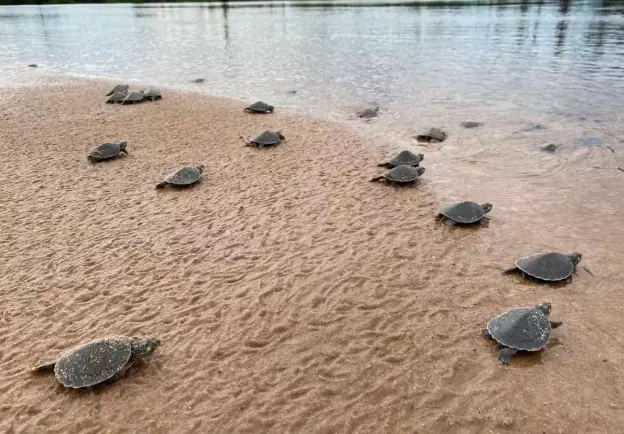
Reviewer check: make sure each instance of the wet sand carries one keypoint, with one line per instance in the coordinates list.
(291, 294)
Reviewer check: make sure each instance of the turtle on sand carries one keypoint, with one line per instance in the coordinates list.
(521, 329)
(368, 113)
(116, 98)
(432, 135)
(403, 158)
(260, 107)
(99, 361)
(119, 88)
(134, 98)
(106, 151)
(464, 212)
(183, 176)
(548, 266)
(268, 138)
(151, 94)
(401, 175)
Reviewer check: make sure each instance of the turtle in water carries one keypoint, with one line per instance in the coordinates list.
(550, 148)
(268, 138)
(521, 329)
(106, 151)
(33, 65)
(432, 135)
(99, 361)
(368, 113)
(403, 158)
(548, 266)
(198, 80)
(471, 124)
(259, 107)
(116, 98)
(133, 98)
(151, 94)
(183, 176)
(464, 212)
(119, 88)
(401, 175)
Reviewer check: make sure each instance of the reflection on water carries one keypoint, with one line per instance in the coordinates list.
(534, 55)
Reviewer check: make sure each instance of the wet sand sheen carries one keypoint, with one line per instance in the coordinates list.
(290, 294)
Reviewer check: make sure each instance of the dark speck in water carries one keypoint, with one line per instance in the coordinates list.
(470, 124)
(551, 147)
(534, 127)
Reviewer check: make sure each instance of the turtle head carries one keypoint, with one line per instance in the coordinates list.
(421, 156)
(122, 147)
(420, 170)
(143, 347)
(487, 207)
(281, 136)
(575, 257)
(200, 167)
(545, 307)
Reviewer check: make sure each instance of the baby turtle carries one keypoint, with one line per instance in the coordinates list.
(548, 266)
(368, 113)
(268, 138)
(133, 98)
(464, 212)
(521, 329)
(119, 88)
(117, 98)
(432, 135)
(183, 176)
(99, 361)
(33, 65)
(471, 124)
(198, 80)
(259, 107)
(401, 175)
(403, 158)
(151, 94)
(106, 151)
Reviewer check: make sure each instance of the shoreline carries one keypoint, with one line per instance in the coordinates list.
(289, 292)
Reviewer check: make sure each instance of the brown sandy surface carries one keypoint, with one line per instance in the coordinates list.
(290, 294)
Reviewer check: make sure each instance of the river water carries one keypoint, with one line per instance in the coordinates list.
(511, 65)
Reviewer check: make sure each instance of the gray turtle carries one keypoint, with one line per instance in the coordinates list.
(117, 98)
(151, 94)
(260, 107)
(521, 329)
(401, 175)
(548, 266)
(369, 112)
(403, 158)
(183, 176)
(119, 88)
(99, 361)
(106, 151)
(268, 138)
(33, 65)
(471, 124)
(198, 80)
(432, 135)
(464, 212)
(133, 98)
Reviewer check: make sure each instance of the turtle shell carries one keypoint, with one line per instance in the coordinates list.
(185, 176)
(549, 266)
(369, 112)
(404, 174)
(524, 328)
(117, 97)
(268, 138)
(260, 107)
(133, 97)
(151, 93)
(119, 88)
(106, 151)
(94, 362)
(406, 158)
(432, 135)
(464, 212)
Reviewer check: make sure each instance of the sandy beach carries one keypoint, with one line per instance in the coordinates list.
(291, 295)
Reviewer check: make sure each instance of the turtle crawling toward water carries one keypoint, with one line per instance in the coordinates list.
(123, 88)
(369, 112)
(133, 98)
(432, 135)
(99, 361)
(183, 176)
(106, 151)
(268, 138)
(521, 329)
(548, 266)
(401, 175)
(403, 158)
(260, 107)
(117, 98)
(466, 212)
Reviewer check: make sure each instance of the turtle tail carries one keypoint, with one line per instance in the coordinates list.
(47, 366)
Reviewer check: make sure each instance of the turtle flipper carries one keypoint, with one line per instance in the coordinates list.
(505, 355)
(486, 334)
(46, 366)
(449, 222)
(555, 324)
(377, 178)
(161, 184)
(119, 374)
(510, 270)
(386, 165)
